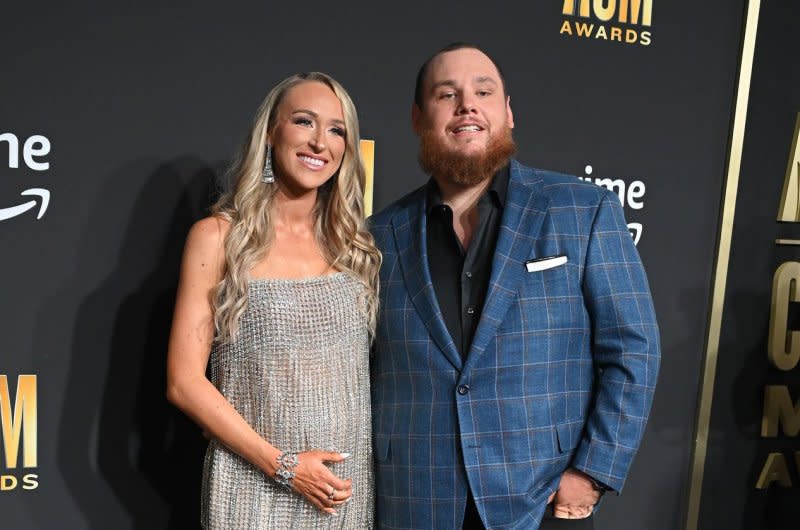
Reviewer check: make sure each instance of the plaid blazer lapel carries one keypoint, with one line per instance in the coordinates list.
(410, 233)
(521, 224)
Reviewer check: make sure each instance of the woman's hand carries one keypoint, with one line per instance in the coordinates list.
(317, 483)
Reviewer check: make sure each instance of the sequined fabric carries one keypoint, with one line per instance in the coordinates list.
(299, 374)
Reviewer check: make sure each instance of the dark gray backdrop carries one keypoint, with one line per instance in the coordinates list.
(736, 451)
(143, 104)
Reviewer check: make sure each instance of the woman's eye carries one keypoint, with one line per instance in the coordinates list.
(303, 121)
(338, 131)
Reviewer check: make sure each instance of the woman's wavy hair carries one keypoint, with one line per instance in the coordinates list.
(338, 214)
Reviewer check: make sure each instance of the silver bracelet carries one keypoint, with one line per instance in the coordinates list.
(285, 472)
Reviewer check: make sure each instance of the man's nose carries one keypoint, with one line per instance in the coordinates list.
(466, 104)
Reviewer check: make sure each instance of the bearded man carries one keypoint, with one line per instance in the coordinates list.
(517, 349)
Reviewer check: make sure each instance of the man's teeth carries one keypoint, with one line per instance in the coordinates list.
(313, 161)
(470, 128)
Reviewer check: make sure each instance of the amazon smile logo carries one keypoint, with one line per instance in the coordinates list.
(33, 151)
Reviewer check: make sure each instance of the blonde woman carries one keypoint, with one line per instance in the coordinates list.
(278, 295)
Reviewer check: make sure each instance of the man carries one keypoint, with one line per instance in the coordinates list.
(517, 349)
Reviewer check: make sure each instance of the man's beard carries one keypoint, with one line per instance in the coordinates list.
(441, 162)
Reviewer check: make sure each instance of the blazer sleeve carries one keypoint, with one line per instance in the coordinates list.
(625, 348)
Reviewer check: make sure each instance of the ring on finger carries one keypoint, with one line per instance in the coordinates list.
(331, 494)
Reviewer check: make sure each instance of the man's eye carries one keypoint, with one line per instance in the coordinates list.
(447, 95)
(484, 93)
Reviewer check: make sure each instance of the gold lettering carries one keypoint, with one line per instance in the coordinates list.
(616, 33)
(566, 27)
(22, 420)
(8, 482)
(774, 470)
(368, 157)
(645, 38)
(583, 29)
(601, 33)
(604, 9)
(783, 348)
(778, 410)
(630, 35)
(635, 10)
(569, 7)
(789, 209)
(30, 482)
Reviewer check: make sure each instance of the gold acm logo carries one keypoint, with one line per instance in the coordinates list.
(623, 21)
(781, 416)
(18, 419)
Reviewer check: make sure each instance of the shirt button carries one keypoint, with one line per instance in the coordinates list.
(470, 310)
(463, 389)
(468, 274)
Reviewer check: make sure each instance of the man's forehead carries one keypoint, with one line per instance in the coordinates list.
(464, 63)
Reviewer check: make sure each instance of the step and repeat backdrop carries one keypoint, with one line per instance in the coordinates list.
(752, 469)
(116, 124)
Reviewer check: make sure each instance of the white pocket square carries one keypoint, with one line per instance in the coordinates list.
(541, 264)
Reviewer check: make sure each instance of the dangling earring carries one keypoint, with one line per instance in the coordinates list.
(268, 176)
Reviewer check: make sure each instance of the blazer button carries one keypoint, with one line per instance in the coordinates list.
(463, 389)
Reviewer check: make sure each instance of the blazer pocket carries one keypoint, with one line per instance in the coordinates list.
(548, 262)
(569, 435)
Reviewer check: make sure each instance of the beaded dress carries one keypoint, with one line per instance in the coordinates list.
(298, 372)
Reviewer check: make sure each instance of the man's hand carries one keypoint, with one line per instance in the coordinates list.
(575, 497)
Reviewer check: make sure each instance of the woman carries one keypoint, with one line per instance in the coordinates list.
(278, 291)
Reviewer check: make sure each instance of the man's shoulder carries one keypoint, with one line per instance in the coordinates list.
(383, 219)
(560, 188)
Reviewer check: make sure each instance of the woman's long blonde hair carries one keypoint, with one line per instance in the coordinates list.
(338, 214)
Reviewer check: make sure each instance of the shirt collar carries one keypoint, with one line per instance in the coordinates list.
(497, 190)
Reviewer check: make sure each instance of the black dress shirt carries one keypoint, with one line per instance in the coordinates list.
(461, 276)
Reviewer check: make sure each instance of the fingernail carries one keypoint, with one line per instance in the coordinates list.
(334, 513)
(344, 455)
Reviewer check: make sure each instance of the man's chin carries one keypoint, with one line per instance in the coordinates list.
(473, 150)
(468, 163)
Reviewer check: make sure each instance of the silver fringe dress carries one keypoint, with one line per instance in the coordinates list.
(298, 372)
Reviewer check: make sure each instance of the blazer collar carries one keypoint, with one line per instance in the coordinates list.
(410, 233)
(520, 226)
(523, 214)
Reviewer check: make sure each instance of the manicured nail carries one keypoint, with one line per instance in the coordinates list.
(344, 455)
(334, 513)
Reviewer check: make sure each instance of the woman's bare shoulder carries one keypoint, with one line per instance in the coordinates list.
(205, 243)
(209, 231)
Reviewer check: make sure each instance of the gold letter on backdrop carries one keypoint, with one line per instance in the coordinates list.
(605, 12)
(783, 349)
(569, 7)
(368, 157)
(635, 9)
(22, 420)
(789, 210)
(774, 470)
(778, 410)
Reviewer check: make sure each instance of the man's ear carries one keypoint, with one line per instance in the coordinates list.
(416, 117)
(509, 114)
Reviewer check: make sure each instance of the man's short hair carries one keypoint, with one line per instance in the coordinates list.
(422, 74)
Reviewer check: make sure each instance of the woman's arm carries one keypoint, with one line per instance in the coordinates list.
(188, 388)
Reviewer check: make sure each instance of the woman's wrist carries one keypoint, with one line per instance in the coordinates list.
(270, 461)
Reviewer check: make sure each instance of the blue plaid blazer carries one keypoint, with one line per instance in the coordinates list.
(561, 371)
